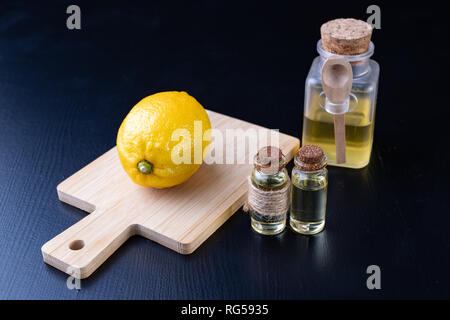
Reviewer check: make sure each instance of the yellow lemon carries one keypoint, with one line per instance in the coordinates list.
(161, 142)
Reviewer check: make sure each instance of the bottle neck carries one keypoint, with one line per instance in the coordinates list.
(269, 180)
(359, 68)
(311, 173)
(360, 63)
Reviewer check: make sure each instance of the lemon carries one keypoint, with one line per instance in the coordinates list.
(161, 142)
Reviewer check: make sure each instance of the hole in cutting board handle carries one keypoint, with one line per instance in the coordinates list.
(76, 245)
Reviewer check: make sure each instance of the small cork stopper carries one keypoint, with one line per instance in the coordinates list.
(310, 158)
(310, 154)
(267, 156)
(346, 36)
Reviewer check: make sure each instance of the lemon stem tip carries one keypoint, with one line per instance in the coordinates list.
(145, 167)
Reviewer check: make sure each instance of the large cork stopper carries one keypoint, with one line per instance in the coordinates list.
(346, 36)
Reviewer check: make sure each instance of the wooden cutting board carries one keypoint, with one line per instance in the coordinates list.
(179, 218)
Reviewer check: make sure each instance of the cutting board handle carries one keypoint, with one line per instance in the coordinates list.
(82, 248)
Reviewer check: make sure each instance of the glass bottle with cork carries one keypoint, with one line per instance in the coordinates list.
(350, 39)
(309, 190)
(268, 195)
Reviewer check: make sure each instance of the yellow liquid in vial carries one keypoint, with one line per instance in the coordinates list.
(318, 129)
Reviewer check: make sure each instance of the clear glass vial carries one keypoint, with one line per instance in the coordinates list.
(318, 122)
(269, 174)
(309, 190)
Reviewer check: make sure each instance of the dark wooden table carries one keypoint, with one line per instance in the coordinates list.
(63, 95)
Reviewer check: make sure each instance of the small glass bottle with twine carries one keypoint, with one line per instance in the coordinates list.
(309, 190)
(268, 194)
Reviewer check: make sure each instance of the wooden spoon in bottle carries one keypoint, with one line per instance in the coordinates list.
(337, 78)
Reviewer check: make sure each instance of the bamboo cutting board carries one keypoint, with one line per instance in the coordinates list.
(180, 218)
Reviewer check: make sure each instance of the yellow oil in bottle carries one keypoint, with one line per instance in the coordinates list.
(318, 129)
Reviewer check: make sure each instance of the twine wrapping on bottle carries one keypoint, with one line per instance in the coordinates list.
(268, 202)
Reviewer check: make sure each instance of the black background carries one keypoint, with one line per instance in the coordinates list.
(63, 95)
